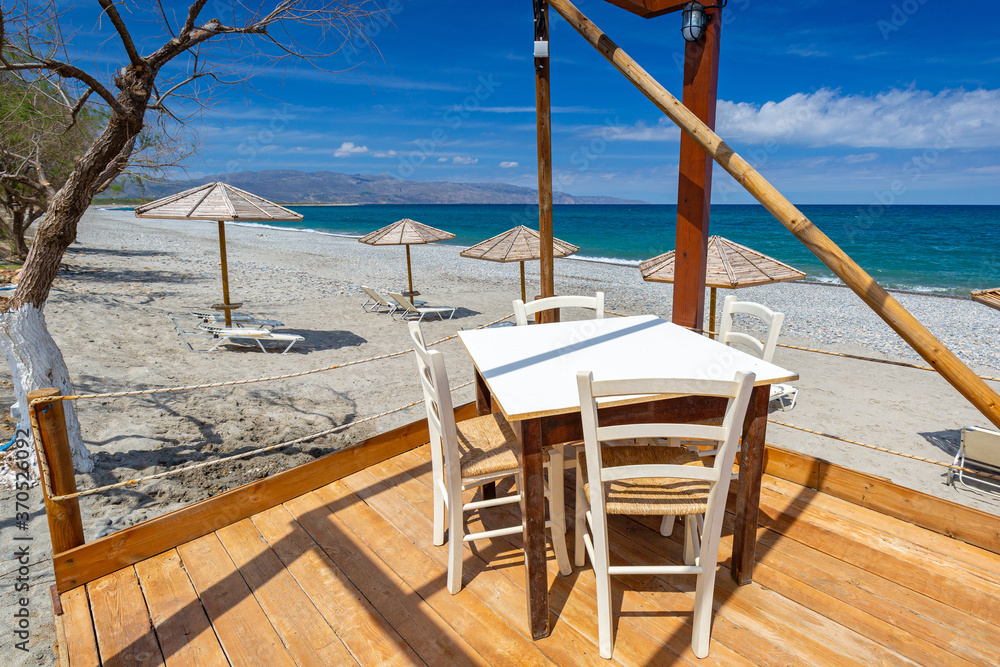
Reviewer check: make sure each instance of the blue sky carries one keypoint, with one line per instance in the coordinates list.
(834, 102)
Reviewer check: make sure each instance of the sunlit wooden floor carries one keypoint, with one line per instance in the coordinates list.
(347, 574)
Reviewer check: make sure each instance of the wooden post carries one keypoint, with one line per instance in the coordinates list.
(225, 273)
(48, 423)
(694, 183)
(523, 296)
(543, 118)
(944, 361)
(409, 271)
(711, 315)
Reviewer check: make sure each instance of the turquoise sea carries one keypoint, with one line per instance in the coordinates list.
(942, 249)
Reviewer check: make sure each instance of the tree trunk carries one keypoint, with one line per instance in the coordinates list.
(35, 363)
(18, 228)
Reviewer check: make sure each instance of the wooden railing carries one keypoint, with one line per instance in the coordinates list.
(77, 562)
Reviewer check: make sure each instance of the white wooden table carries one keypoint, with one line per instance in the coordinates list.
(529, 375)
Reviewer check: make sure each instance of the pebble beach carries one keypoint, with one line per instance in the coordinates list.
(109, 313)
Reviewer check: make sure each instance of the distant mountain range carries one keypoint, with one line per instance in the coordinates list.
(330, 187)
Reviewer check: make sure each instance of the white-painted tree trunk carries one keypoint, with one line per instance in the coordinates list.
(35, 362)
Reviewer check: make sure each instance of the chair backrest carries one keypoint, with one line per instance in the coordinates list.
(771, 319)
(440, 410)
(981, 445)
(381, 300)
(403, 302)
(727, 437)
(522, 309)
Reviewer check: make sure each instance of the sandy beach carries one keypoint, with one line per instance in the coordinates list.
(121, 280)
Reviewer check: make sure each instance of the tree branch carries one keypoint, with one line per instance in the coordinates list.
(71, 72)
(116, 20)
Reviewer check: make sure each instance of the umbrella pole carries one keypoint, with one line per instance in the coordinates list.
(711, 315)
(523, 298)
(225, 272)
(409, 271)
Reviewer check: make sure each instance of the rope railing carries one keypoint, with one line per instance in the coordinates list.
(241, 455)
(46, 478)
(883, 449)
(234, 383)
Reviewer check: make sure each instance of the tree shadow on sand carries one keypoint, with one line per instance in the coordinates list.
(124, 252)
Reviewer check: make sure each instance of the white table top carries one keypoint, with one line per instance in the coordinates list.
(531, 370)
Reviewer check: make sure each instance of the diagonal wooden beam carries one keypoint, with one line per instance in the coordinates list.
(943, 360)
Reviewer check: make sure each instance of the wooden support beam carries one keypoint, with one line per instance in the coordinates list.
(543, 120)
(150, 538)
(694, 183)
(48, 423)
(650, 8)
(944, 361)
(225, 272)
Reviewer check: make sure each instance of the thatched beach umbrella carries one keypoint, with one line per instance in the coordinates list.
(220, 202)
(988, 297)
(406, 232)
(730, 266)
(520, 244)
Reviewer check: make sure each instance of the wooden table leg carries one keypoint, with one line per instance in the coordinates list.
(748, 486)
(529, 432)
(484, 406)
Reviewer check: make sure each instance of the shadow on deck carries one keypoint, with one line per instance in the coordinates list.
(347, 574)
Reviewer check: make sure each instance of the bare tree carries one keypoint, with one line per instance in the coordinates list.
(172, 82)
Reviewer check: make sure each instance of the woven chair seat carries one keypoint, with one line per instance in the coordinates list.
(487, 445)
(650, 496)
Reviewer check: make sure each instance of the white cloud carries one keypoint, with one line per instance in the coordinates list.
(464, 160)
(508, 165)
(348, 148)
(907, 119)
(858, 158)
(389, 153)
(442, 159)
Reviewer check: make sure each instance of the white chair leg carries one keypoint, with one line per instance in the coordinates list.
(456, 533)
(690, 539)
(667, 525)
(557, 510)
(605, 640)
(439, 511)
(701, 632)
(579, 549)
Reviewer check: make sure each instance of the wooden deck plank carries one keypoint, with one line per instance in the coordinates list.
(369, 637)
(948, 628)
(309, 638)
(243, 628)
(78, 625)
(121, 621)
(424, 630)
(184, 632)
(575, 600)
(479, 579)
(902, 562)
(490, 634)
(656, 617)
(981, 562)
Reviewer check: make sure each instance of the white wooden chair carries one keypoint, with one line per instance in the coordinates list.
(655, 481)
(522, 309)
(471, 453)
(784, 394)
(979, 447)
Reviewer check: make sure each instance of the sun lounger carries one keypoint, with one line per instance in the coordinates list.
(205, 317)
(407, 310)
(979, 448)
(238, 336)
(376, 301)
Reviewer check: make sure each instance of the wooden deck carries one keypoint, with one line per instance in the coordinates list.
(347, 574)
